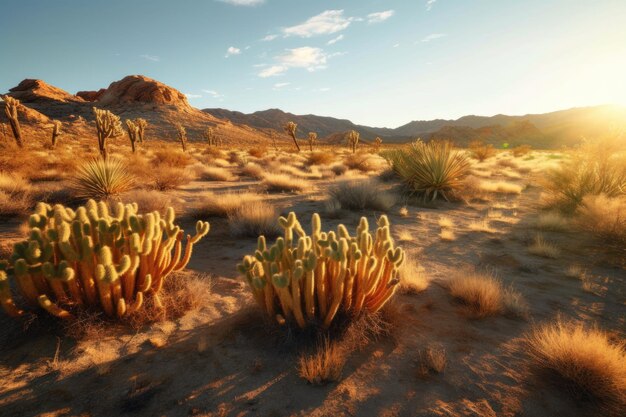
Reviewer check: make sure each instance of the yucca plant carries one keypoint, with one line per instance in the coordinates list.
(93, 259)
(102, 178)
(431, 169)
(481, 150)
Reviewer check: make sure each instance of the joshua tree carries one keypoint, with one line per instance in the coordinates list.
(312, 139)
(377, 143)
(56, 132)
(182, 136)
(108, 126)
(141, 128)
(10, 109)
(210, 136)
(133, 132)
(353, 139)
(290, 128)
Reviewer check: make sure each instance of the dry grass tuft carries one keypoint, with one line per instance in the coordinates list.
(361, 161)
(447, 235)
(253, 170)
(445, 222)
(586, 362)
(215, 174)
(172, 158)
(166, 178)
(604, 217)
(284, 182)
(481, 226)
(224, 204)
(321, 158)
(413, 280)
(552, 221)
(258, 152)
(543, 248)
(501, 187)
(362, 195)
(16, 195)
(324, 365)
(254, 219)
(149, 200)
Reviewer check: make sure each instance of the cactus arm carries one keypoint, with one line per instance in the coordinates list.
(52, 308)
(6, 299)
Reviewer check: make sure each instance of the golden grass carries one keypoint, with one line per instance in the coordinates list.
(543, 248)
(224, 204)
(588, 364)
(405, 236)
(215, 174)
(481, 226)
(149, 200)
(254, 219)
(404, 211)
(362, 195)
(321, 158)
(362, 162)
(323, 366)
(413, 280)
(501, 187)
(447, 235)
(172, 158)
(575, 271)
(284, 182)
(16, 195)
(552, 221)
(166, 178)
(604, 216)
(445, 222)
(253, 170)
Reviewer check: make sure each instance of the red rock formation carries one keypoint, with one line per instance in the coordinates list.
(38, 91)
(91, 95)
(140, 89)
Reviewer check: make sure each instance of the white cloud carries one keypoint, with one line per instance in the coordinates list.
(430, 4)
(327, 22)
(325, 89)
(306, 57)
(433, 36)
(213, 94)
(379, 16)
(150, 57)
(232, 51)
(243, 2)
(396, 45)
(334, 40)
(280, 85)
(269, 38)
(189, 95)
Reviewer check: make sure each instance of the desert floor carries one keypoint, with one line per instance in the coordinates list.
(223, 359)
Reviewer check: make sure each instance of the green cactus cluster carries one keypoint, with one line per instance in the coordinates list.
(94, 258)
(309, 280)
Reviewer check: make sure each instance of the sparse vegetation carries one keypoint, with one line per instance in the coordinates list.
(481, 150)
(541, 247)
(284, 182)
(352, 138)
(108, 126)
(362, 195)
(324, 365)
(224, 204)
(604, 216)
(101, 179)
(254, 219)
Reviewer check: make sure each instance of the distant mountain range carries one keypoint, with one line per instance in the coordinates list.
(164, 107)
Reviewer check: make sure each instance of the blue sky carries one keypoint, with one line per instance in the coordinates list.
(380, 63)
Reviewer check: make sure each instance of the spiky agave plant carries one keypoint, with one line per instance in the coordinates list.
(309, 281)
(431, 169)
(93, 259)
(102, 178)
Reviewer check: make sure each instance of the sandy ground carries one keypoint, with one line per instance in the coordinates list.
(223, 360)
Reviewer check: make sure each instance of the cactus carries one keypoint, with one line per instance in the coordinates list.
(56, 132)
(182, 136)
(90, 258)
(108, 125)
(210, 136)
(312, 140)
(290, 129)
(377, 143)
(10, 109)
(352, 137)
(311, 280)
(133, 132)
(141, 128)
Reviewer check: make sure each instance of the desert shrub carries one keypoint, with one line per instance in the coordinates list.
(339, 169)
(80, 272)
(432, 169)
(552, 221)
(413, 280)
(101, 179)
(172, 158)
(287, 278)
(213, 152)
(501, 187)
(481, 151)
(363, 162)
(595, 168)
(16, 195)
(258, 152)
(253, 170)
(584, 360)
(362, 195)
(541, 247)
(149, 200)
(254, 219)
(169, 178)
(224, 204)
(521, 150)
(321, 158)
(324, 365)
(284, 182)
(215, 174)
(603, 216)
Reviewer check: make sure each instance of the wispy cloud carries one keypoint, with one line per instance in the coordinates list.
(269, 38)
(433, 36)
(213, 93)
(379, 16)
(325, 23)
(232, 51)
(396, 45)
(189, 95)
(334, 40)
(430, 4)
(324, 89)
(243, 2)
(306, 57)
(152, 58)
(278, 86)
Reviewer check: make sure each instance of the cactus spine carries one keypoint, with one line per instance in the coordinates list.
(10, 109)
(133, 132)
(290, 129)
(56, 132)
(312, 140)
(91, 258)
(108, 125)
(182, 136)
(310, 280)
(141, 128)
(352, 138)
